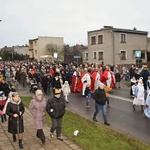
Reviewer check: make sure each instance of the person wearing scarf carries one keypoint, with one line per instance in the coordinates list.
(37, 109)
(15, 110)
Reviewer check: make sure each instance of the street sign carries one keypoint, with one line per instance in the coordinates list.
(138, 54)
(55, 55)
(76, 56)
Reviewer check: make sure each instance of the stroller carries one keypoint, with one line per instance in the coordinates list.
(33, 85)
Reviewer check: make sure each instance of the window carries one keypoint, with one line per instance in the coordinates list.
(35, 52)
(123, 55)
(100, 56)
(34, 43)
(86, 56)
(93, 40)
(100, 39)
(94, 55)
(123, 38)
(143, 55)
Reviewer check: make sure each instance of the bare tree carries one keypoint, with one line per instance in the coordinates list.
(53, 48)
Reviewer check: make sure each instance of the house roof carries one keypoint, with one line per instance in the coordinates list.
(31, 40)
(121, 30)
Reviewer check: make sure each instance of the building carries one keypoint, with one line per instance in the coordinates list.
(148, 44)
(7, 49)
(74, 54)
(22, 50)
(38, 46)
(116, 46)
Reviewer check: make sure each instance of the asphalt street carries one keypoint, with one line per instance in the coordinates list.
(120, 116)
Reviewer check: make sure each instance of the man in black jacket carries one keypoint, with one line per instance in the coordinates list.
(100, 100)
(56, 109)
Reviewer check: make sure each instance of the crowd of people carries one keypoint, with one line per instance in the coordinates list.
(59, 80)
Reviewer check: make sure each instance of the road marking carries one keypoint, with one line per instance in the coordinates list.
(121, 98)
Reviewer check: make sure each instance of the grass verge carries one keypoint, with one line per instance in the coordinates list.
(93, 136)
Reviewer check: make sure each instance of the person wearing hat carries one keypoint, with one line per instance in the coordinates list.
(56, 109)
(100, 100)
(139, 95)
(37, 109)
(15, 110)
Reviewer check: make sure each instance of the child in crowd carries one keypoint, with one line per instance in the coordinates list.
(133, 82)
(107, 90)
(87, 95)
(2, 104)
(133, 88)
(66, 90)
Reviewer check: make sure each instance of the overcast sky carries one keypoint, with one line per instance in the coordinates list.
(27, 19)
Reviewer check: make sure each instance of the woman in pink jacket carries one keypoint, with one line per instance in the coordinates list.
(37, 110)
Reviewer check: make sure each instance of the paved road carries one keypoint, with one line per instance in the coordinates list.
(120, 115)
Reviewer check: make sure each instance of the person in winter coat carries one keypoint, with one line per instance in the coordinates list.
(38, 77)
(118, 78)
(15, 110)
(44, 82)
(56, 109)
(23, 76)
(37, 109)
(56, 81)
(107, 90)
(145, 73)
(3, 99)
(14, 84)
(4, 87)
(18, 75)
(87, 95)
(100, 100)
(8, 76)
(66, 90)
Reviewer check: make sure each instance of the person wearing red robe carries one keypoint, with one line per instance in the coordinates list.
(96, 79)
(51, 71)
(76, 81)
(108, 78)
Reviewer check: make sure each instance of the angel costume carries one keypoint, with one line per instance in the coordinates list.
(139, 95)
(147, 109)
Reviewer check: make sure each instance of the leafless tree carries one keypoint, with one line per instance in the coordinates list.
(53, 48)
